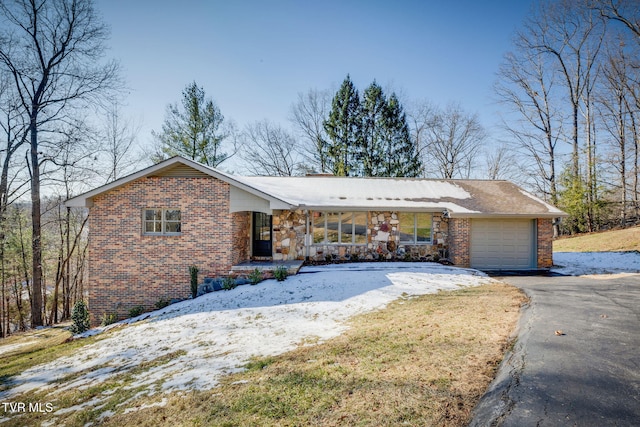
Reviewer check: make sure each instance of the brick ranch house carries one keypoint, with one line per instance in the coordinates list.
(146, 229)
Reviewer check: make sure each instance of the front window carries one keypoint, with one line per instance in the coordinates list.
(162, 221)
(415, 228)
(347, 228)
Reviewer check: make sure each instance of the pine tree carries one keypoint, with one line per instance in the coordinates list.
(374, 117)
(193, 129)
(399, 156)
(80, 318)
(344, 129)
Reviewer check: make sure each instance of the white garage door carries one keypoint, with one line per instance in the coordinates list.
(502, 244)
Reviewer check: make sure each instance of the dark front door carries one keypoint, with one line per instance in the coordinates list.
(261, 234)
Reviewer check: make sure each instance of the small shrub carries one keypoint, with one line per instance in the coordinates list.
(280, 273)
(108, 319)
(193, 272)
(80, 318)
(255, 277)
(162, 302)
(136, 311)
(228, 283)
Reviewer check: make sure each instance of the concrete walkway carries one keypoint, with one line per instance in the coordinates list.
(577, 358)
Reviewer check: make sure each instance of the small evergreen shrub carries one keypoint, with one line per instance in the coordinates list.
(108, 319)
(255, 277)
(136, 311)
(280, 273)
(80, 318)
(162, 302)
(228, 283)
(193, 272)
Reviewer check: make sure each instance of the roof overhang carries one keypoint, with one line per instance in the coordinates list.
(508, 215)
(86, 199)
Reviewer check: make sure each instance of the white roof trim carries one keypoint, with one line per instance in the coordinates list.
(86, 199)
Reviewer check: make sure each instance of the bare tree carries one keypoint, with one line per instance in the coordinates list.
(270, 150)
(53, 51)
(421, 118)
(626, 12)
(571, 37)
(617, 102)
(502, 163)
(120, 135)
(527, 89)
(308, 115)
(453, 142)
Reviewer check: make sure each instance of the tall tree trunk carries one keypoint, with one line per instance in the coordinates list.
(36, 244)
(634, 131)
(17, 293)
(3, 308)
(623, 162)
(66, 313)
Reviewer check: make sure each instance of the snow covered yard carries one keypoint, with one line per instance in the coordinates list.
(582, 263)
(192, 344)
(203, 339)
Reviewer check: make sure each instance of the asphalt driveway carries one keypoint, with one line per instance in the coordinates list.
(576, 361)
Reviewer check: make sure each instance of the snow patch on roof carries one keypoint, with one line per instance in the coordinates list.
(359, 192)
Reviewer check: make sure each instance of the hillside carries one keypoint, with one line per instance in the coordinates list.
(627, 239)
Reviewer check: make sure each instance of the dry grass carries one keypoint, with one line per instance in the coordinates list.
(33, 340)
(421, 361)
(25, 350)
(627, 239)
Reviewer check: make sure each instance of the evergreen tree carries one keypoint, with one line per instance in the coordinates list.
(374, 119)
(193, 129)
(80, 318)
(399, 157)
(344, 129)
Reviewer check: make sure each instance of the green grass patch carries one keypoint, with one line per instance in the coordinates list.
(627, 239)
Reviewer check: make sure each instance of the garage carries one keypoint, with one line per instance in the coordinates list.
(503, 244)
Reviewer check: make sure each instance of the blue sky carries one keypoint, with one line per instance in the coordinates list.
(254, 57)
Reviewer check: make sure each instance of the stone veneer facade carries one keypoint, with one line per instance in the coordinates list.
(128, 268)
(290, 227)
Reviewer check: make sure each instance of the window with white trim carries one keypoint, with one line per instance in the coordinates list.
(415, 228)
(161, 221)
(335, 228)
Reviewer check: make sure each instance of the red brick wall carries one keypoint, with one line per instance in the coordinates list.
(545, 243)
(127, 268)
(459, 241)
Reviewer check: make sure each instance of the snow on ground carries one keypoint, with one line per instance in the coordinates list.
(220, 331)
(582, 263)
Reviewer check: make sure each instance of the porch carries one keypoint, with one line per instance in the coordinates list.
(292, 266)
